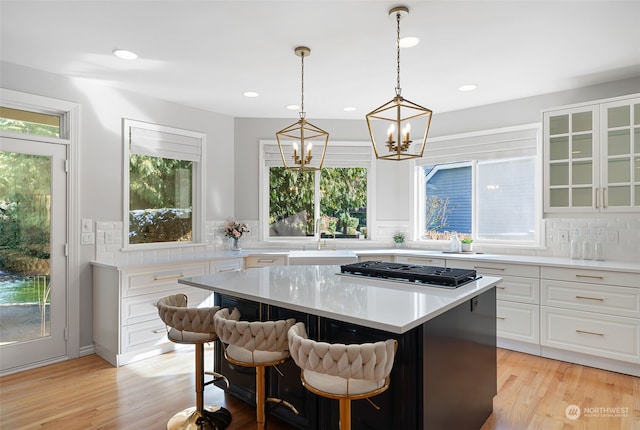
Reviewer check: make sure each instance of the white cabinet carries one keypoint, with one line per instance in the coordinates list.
(426, 260)
(591, 156)
(126, 325)
(517, 302)
(264, 260)
(592, 313)
(226, 265)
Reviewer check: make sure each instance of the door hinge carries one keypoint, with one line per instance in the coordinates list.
(66, 249)
(66, 334)
(66, 166)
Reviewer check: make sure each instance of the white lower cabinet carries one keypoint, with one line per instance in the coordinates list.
(126, 325)
(226, 265)
(591, 317)
(517, 302)
(427, 261)
(602, 335)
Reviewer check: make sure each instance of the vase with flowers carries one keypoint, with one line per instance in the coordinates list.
(234, 231)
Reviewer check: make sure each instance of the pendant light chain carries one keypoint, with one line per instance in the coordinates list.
(398, 89)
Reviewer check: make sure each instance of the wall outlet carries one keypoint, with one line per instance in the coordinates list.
(563, 236)
(612, 236)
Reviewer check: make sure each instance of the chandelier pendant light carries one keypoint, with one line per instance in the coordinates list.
(302, 145)
(392, 124)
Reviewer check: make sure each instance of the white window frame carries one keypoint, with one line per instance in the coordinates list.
(198, 185)
(494, 144)
(339, 154)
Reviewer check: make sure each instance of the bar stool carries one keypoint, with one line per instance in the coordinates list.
(194, 326)
(343, 372)
(255, 344)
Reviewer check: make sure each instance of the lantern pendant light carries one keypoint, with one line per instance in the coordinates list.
(393, 125)
(302, 145)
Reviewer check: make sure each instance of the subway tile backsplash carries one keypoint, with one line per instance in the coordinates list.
(621, 239)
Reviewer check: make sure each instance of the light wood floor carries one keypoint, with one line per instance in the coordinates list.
(88, 393)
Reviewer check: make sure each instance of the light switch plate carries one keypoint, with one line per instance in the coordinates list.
(88, 238)
(87, 225)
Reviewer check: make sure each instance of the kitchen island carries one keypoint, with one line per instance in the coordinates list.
(444, 375)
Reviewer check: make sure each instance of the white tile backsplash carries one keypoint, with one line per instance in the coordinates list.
(625, 228)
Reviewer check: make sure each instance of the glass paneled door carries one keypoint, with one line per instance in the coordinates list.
(33, 282)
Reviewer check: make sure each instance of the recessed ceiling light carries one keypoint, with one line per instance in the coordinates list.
(125, 54)
(349, 109)
(250, 94)
(409, 42)
(468, 87)
(293, 107)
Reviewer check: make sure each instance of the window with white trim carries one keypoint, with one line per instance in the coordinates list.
(483, 186)
(334, 202)
(164, 184)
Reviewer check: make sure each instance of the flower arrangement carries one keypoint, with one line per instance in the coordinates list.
(234, 230)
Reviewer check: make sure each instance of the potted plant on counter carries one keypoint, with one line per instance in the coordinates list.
(466, 245)
(398, 238)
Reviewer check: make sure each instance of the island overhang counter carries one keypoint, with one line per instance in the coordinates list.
(444, 375)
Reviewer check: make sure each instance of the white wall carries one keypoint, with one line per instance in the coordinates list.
(102, 109)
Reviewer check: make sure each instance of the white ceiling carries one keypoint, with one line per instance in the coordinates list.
(207, 53)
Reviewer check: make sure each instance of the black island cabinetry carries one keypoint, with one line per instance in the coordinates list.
(444, 374)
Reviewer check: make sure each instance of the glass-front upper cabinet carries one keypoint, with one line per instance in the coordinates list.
(621, 155)
(592, 157)
(571, 161)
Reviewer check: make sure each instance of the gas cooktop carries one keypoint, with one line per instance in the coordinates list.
(444, 277)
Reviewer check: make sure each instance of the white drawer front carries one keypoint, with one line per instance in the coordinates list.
(165, 278)
(518, 289)
(518, 321)
(230, 265)
(499, 269)
(143, 336)
(607, 336)
(600, 277)
(266, 260)
(386, 258)
(623, 301)
(138, 309)
(427, 261)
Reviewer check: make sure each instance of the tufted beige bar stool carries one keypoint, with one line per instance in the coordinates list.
(255, 344)
(343, 372)
(194, 326)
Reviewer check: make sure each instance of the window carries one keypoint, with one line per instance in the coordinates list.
(330, 203)
(164, 181)
(482, 186)
(27, 122)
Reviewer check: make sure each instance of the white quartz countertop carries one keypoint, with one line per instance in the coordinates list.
(320, 290)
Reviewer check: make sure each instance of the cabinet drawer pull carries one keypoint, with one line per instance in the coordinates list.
(500, 318)
(158, 331)
(266, 260)
(589, 332)
(595, 192)
(233, 269)
(501, 288)
(590, 298)
(590, 277)
(489, 268)
(604, 197)
(166, 277)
